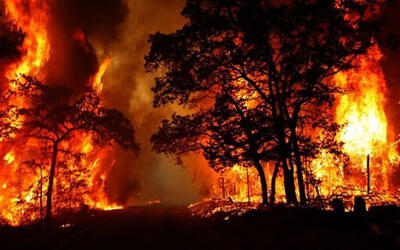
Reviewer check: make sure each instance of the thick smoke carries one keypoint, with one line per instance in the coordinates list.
(85, 33)
(150, 176)
(73, 60)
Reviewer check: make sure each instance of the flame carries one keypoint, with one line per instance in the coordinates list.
(33, 20)
(24, 182)
(366, 133)
(9, 158)
(363, 109)
(97, 79)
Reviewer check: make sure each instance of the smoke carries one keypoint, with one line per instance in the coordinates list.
(73, 59)
(85, 33)
(127, 88)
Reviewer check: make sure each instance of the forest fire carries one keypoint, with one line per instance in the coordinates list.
(24, 180)
(272, 160)
(200, 124)
(366, 136)
(366, 133)
(368, 140)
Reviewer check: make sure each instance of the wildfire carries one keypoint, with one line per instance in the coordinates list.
(23, 190)
(366, 135)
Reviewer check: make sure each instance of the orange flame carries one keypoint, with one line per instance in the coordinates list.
(366, 133)
(97, 79)
(23, 182)
(33, 21)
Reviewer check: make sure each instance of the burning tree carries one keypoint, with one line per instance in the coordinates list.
(50, 116)
(285, 54)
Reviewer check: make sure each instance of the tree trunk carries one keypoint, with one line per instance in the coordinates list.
(280, 132)
(41, 193)
(299, 168)
(248, 185)
(273, 184)
(51, 181)
(264, 188)
(288, 181)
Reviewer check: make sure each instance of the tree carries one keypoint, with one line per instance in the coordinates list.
(287, 54)
(228, 133)
(11, 38)
(49, 118)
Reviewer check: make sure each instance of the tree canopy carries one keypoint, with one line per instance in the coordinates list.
(283, 56)
(49, 115)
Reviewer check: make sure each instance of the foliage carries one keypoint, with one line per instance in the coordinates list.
(282, 57)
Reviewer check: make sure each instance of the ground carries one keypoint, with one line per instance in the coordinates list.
(177, 228)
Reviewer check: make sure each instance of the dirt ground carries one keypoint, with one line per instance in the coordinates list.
(176, 228)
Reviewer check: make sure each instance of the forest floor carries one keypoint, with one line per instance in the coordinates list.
(177, 228)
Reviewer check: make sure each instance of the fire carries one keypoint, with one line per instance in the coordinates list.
(366, 135)
(32, 17)
(97, 79)
(24, 180)
(363, 109)
(80, 37)
(9, 158)
(367, 138)
(366, 132)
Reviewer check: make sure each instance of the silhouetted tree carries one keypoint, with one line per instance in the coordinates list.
(287, 54)
(11, 38)
(228, 133)
(49, 118)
